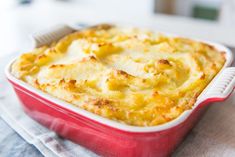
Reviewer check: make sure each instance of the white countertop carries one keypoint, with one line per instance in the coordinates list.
(17, 22)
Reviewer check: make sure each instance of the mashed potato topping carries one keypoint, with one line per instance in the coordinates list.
(129, 75)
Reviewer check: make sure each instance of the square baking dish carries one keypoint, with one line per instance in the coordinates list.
(110, 138)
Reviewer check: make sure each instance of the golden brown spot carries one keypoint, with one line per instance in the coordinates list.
(166, 118)
(213, 66)
(191, 102)
(135, 36)
(36, 82)
(61, 81)
(103, 44)
(89, 58)
(210, 46)
(123, 73)
(100, 102)
(57, 66)
(155, 93)
(92, 58)
(223, 54)
(72, 81)
(143, 80)
(41, 56)
(102, 26)
(203, 76)
(71, 86)
(164, 61)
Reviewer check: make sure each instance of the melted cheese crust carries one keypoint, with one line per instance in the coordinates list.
(129, 75)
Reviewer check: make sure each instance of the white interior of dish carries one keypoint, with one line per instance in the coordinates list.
(118, 125)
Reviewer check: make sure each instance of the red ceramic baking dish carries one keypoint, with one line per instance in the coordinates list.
(107, 137)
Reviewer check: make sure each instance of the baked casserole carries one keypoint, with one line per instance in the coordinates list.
(130, 75)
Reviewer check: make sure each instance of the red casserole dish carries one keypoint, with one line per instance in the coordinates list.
(107, 137)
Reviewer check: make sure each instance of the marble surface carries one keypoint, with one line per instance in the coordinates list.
(12, 145)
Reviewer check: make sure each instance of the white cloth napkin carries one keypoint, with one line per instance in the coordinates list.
(213, 136)
(46, 141)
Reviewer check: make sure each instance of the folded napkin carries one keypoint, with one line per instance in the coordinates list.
(213, 136)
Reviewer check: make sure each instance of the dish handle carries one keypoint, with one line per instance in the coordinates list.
(48, 36)
(220, 88)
